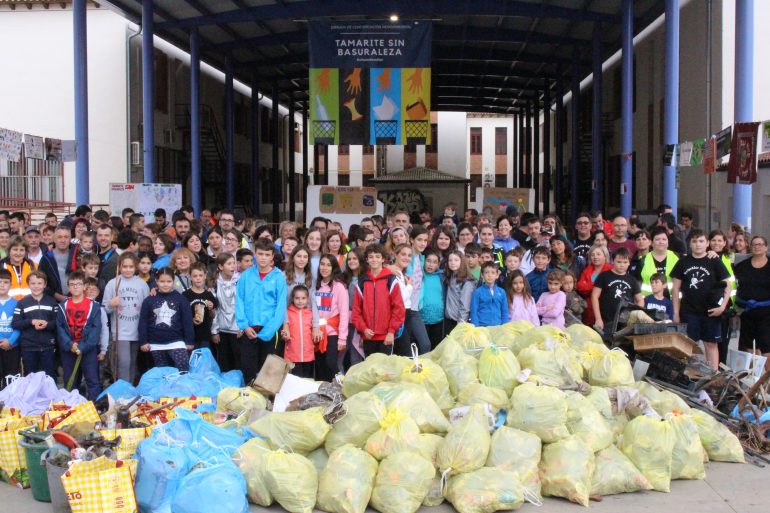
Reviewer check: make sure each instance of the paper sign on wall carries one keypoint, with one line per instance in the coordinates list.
(10, 145)
(765, 136)
(144, 198)
(34, 147)
(348, 200)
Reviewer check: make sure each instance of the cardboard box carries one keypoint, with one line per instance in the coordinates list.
(674, 344)
(271, 376)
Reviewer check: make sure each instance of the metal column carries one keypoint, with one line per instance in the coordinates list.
(195, 121)
(528, 148)
(148, 90)
(275, 176)
(627, 109)
(547, 148)
(79, 26)
(744, 93)
(522, 145)
(229, 135)
(536, 154)
(558, 185)
(596, 125)
(292, 161)
(575, 140)
(256, 168)
(671, 99)
(515, 178)
(305, 177)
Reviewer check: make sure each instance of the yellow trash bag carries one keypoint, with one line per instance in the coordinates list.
(505, 334)
(299, 431)
(687, 456)
(581, 335)
(461, 369)
(415, 402)
(375, 369)
(397, 433)
(251, 458)
(589, 354)
(435, 495)
(466, 446)
(614, 369)
(540, 410)
(428, 446)
(292, 481)
(100, 485)
(346, 483)
(498, 368)
(518, 452)
(720, 443)
(485, 490)
(566, 470)
(477, 393)
(237, 400)
(402, 483)
(364, 411)
(614, 474)
(555, 363)
(432, 378)
(13, 462)
(471, 337)
(601, 400)
(539, 335)
(585, 421)
(318, 458)
(668, 402)
(649, 443)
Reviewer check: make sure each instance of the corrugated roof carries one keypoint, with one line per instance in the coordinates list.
(419, 174)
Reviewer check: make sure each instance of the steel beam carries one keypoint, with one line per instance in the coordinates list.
(627, 110)
(195, 121)
(256, 165)
(744, 96)
(596, 125)
(148, 90)
(79, 29)
(229, 136)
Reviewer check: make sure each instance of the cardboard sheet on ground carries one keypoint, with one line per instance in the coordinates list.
(293, 388)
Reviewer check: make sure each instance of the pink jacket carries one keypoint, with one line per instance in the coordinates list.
(551, 306)
(299, 348)
(333, 301)
(524, 310)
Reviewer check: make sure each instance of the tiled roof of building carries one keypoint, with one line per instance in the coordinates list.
(420, 174)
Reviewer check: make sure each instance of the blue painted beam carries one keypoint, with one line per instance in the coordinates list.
(626, 109)
(405, 8)
(547, 150)
(256, 166)
(574, 167)
(79, 29)
(558, 185)
(596, 126)
(671, 99)
(305, 175)
(275, 175)
(195, 121)
(229, 136)
(292, 162)
(148, 90)
(744, 95)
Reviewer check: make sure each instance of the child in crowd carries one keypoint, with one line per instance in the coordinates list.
(521, 305)
(93, 291)
(297, 333)
(551, 304)
(35, 319)
(432, 301)
(473, 257)
(459, 291)
(162, 247)
(331, 296)
(19, 266)
(9, 337)
(613, 286)
(202, 302)
(489, 305)
(224, 329)
(123, 298)
(289, 244)
(89, 264)
(78, 328)
(355, 267)
(145, 271)
(538, 277)
(512, 262)
(576, 305)
(657, 300)
(87, 243)
(245, 259)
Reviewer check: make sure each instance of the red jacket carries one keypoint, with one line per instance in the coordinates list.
(585, 286)
(378, 305)
(299, 348)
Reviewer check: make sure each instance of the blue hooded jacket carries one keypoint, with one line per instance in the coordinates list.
(91, 336)
(261, 302)
(6, 316)
(489, 306)
(432, 310)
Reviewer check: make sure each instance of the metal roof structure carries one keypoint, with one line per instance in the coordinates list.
(488, 55)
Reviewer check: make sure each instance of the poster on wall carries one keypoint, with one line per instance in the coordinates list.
(498, 199)
(724, 142)
(34, 147)
(765, 136)
(709, 156)
(348, 200)
(10, 145)
(144, 198)
(69, 151)
(742, 167)
(370, 82)
(53, 149)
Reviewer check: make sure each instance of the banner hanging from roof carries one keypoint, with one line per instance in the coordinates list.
(370, 82)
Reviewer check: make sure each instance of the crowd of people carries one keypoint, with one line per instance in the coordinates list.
(106, 297)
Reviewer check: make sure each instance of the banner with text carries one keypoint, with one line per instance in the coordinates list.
(370, 82)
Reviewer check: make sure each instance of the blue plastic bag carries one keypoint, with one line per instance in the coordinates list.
(202, 441)
(121, 389)
(151, 381)
(162, 466)
(202, 362)
(219, 487)
(233, 378)
(180, 384)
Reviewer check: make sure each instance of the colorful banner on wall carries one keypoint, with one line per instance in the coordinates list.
(742, 167)
(370, 82)
(10, 145)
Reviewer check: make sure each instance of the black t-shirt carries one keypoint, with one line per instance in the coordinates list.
(753, 283)
(202, 330)
(615, 288)
(701, 283)
(676, 245)
(581, 247)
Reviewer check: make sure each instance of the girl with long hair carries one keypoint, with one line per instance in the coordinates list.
(459, 291)
(333, 305)
(224, 329)
(335, 246)
(521, 304)
(443, 242)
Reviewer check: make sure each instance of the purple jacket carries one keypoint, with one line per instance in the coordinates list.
(524, 310)
(550, 307)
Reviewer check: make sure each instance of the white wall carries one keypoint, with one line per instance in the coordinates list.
(488, 125)
(36, 89)
(452, 143)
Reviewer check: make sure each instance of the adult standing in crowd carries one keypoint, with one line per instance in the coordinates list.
(583, 237)
(753, 276)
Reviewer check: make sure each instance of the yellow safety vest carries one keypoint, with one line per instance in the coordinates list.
(731, 279)
(649, 268)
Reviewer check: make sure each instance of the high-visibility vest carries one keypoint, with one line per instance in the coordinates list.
(649, 268)
(731, 279)
(20, 283)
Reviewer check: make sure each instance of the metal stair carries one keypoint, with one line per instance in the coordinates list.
(212, 148)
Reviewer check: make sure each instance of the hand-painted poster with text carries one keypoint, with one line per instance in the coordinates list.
(370, 82)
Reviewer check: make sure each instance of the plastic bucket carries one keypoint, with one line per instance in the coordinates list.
(38, 478)
(58, 497)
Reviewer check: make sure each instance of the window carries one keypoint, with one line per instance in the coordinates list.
(501, 140)
(433, 146)
(343, 180)
(410, 148)
(368, 149)
(343, 149)
(475, 140)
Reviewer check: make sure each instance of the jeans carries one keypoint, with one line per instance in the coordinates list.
(88, 370)
(36, 361)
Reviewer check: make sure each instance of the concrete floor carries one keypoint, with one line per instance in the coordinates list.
(729, 488)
